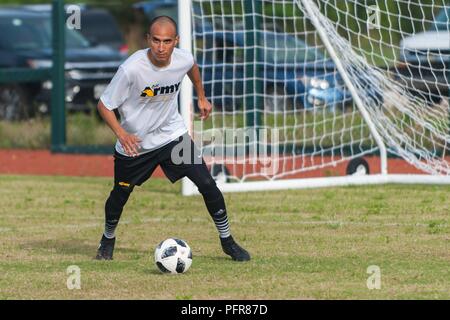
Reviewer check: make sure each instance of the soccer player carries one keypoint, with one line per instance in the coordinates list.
(144, 91)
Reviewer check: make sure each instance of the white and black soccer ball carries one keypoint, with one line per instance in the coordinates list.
(173, 256)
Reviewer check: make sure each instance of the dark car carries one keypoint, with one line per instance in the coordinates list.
(26, 42)
(294, 73)
(100, 27)
(97, 25)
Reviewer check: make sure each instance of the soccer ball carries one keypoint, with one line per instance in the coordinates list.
(173, 256)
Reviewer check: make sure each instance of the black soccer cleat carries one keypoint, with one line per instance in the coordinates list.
(105, 249)
(231, 248)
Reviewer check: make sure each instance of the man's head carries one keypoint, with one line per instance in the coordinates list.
(162, 38)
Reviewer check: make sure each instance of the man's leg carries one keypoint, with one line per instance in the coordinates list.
(215, 203)
(114, 207)
(113, 210)
(128, 172)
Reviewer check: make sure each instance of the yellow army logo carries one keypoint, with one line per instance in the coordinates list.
(156, 90)
(147, 92)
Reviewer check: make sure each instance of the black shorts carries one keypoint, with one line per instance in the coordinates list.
(172, 157)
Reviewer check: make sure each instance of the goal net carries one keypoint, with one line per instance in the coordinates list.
(320, 92)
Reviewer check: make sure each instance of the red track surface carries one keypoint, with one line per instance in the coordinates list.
(43, 162)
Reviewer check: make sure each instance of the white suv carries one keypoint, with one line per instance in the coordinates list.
(425, 60)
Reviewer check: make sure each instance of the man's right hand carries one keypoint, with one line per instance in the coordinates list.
(130, 143)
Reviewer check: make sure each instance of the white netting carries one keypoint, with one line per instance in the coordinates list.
(410, 77)
(264, 66)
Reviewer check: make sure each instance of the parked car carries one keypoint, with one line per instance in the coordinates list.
(295, 74)
(424, 59)
(25, 42)
(98, 26)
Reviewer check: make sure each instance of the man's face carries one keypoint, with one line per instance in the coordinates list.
(162, 39)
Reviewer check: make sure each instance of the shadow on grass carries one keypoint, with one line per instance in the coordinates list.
(153, 271)
(77, 247)
(218, 258)
(204, 260)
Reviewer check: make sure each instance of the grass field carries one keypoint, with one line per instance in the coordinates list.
(87, 129)
(306, 244)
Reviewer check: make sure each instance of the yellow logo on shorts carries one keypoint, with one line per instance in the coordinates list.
(124, 184)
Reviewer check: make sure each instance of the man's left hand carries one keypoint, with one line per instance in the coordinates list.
(205, 108)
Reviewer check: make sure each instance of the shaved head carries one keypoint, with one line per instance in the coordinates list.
(162, 39)
(163, 21)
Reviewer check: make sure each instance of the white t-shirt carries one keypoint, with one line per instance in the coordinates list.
(147, 98)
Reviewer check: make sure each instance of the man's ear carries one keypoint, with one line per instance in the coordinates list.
(177, 40)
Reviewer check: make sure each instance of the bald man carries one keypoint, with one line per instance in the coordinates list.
(151, 131)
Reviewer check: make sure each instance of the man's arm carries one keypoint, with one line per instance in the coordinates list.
(129, 142)
(203, 103)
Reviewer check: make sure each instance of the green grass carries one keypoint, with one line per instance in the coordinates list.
(82, 129)
(312, 244)
(310, 129)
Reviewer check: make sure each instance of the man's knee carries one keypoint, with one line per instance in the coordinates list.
(209, 189)
(119, 195)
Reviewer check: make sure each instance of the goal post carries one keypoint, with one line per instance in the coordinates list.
(186, 94)
(315, 93)
(309, 7)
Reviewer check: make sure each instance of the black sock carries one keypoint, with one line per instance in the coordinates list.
(215, 204)
(113, 209)
(212, 196)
